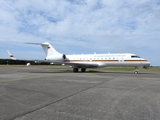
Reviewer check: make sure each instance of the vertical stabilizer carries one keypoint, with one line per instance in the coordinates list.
(11, 56)
(49, 50)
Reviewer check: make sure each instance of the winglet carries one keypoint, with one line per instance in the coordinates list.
(11, 56)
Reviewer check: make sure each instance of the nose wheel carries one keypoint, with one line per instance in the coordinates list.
(136, 71)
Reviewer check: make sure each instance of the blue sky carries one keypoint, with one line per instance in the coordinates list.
(80, 26)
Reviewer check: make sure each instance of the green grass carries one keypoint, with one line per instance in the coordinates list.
(151, 69)
(116, 68)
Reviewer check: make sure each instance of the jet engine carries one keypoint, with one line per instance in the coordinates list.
(58, 57)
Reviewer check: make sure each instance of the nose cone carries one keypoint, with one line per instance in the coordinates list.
(146, 63)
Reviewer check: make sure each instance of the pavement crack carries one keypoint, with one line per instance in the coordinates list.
(71, 95)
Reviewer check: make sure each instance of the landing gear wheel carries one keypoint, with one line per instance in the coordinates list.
(83, 69)
(135, 72)
(75, 69)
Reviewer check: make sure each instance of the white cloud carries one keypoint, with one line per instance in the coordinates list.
(91, 25)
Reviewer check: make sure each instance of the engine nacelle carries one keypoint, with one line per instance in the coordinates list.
(58, 57)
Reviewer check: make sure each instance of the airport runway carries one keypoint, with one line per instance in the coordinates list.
(37, 93)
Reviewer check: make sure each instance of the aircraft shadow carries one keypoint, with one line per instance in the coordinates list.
(89, 71)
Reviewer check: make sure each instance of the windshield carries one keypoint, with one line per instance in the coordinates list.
(135, 56)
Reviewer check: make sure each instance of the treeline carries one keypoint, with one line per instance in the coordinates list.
(19, 62)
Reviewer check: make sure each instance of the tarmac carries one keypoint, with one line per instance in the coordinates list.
(48, 93)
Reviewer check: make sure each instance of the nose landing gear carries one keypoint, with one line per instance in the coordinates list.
(136, 70)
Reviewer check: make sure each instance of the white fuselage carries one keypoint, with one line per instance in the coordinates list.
(102, 60)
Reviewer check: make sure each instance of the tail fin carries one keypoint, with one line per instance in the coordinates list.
(11, 56)
(48, 49)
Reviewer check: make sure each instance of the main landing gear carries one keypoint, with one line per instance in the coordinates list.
(83, 69)
(76, 69)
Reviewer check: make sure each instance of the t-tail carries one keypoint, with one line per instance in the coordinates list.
(52, 54)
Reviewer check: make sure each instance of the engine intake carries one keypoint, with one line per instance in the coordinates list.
(64, 56)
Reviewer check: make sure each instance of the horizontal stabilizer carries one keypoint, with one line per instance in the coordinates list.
(33, 43)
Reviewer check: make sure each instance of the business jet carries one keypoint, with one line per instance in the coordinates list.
(84, 61)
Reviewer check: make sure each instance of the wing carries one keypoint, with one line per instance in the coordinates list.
(82, 64)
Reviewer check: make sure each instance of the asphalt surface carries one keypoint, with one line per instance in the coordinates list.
(37, 93)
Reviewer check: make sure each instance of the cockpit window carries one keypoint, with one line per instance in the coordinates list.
(134, 56)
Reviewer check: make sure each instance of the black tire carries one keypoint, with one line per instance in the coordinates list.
(135, 72)
(75, 69)
(83, 69)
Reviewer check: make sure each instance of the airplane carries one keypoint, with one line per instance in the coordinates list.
(28, 61)
(83, 61)
(11, 56)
